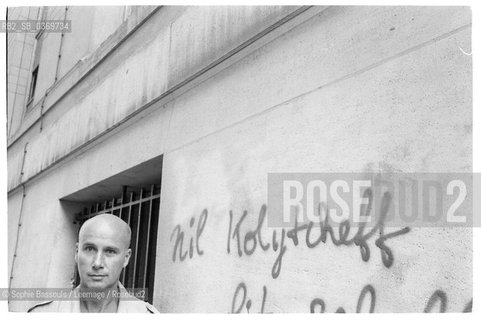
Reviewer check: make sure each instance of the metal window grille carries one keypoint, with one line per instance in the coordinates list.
(140, 209)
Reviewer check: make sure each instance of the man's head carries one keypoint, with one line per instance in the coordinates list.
(102, 251)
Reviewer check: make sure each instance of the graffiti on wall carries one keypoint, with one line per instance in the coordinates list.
(365, 302)
(179, 235)
(248, 241)
(242, 241)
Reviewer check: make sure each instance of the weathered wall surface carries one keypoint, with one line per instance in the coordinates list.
(63, 56)
(135, 73)
(20, 48)
(351, 89)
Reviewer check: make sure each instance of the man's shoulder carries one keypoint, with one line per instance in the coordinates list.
(150, 308)
(56, 306)
(130, 303)
(136, 305)
(44, 306)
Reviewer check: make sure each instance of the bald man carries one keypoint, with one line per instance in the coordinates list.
(102, 251)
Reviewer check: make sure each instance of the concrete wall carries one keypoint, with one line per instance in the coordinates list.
(20, 47)
(337, 90)
(135, 73)
(59, 53)
(352, 89)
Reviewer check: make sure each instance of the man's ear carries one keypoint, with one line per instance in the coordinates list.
(76, 253)
(128, 253)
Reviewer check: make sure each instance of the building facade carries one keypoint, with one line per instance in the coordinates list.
(172, 118)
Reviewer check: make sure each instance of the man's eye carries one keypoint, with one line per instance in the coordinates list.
(110, 251)
(89, 249)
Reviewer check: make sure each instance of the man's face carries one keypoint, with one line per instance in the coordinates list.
(101, 255)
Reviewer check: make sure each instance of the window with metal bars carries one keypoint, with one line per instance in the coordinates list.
(140, 209)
